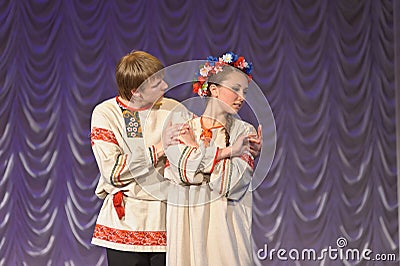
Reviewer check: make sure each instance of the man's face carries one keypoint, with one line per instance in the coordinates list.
(153, 90)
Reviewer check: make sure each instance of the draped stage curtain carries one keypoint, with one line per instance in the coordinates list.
(326, 67)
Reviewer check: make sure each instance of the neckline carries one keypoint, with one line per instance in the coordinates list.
(213, 127)
(119, 101)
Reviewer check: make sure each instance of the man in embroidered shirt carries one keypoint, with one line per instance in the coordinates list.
(126, 134)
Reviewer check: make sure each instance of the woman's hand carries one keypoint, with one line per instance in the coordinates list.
(250, 144)
(241, 146)
(256, 141)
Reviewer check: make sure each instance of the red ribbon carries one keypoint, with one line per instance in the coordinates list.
(118, 204)
(206, 134)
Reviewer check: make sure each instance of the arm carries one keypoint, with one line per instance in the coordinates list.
(232, 177)
(189, 159)
(188, 163)
(117, 168)
(256, 142)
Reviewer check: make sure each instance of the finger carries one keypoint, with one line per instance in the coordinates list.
(252, 140)
(252, 149)
(245, 141)
(170, 142)
(243, 137)
(177, 129)
(255, 151)
(185, 126)
(190, 131)
(177, 126)
(255, 143)
(254, 154)
(182, 126)
(174, 142)
(252, 135)
(168, 127)
(260, 136)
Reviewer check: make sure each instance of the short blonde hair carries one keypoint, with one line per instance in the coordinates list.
(133, 69)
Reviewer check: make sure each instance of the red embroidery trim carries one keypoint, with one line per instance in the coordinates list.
(185, 163)
(120, 170)
(134, 238)
(154, 155)
(222, 176)
(215, 161)
(248, 159)
(102, 134)
(167, 163)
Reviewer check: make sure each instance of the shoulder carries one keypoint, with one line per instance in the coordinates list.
(177, 111)
(168, 103)
(172, 105)
(106, 106)
(242, 127)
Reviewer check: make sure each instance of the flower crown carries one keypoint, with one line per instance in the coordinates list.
(214, 65)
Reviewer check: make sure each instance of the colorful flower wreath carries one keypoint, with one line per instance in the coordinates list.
(214, 65)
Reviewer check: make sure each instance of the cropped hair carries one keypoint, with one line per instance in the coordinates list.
(133, 69)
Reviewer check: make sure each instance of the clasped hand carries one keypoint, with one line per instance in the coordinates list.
(245, 144)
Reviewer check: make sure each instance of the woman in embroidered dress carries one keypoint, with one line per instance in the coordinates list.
(209, 204)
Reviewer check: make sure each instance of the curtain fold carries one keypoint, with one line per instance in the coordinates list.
(329, 69)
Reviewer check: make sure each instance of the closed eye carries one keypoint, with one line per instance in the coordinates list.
(156, 85)
(236, 89)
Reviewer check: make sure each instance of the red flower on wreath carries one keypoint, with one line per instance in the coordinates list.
(215, 65)
(196, 87)
(239, 63)
(201, 79)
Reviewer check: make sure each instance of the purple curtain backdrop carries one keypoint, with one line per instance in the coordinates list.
(326, 67)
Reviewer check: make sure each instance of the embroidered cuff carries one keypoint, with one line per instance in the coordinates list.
(153, 155)
(209, 159)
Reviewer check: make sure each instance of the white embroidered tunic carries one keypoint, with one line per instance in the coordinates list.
(132, 217)
(209, 208)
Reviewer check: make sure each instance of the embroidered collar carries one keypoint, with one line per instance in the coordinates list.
(206, 134)
(124, 106)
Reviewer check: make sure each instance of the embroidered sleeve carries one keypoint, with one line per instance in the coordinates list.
(153, 155)
(188, 164)
(116, 167)
(103, 135)
(248, 159)
(231, 178)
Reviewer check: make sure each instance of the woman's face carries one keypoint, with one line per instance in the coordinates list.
(232, 92)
